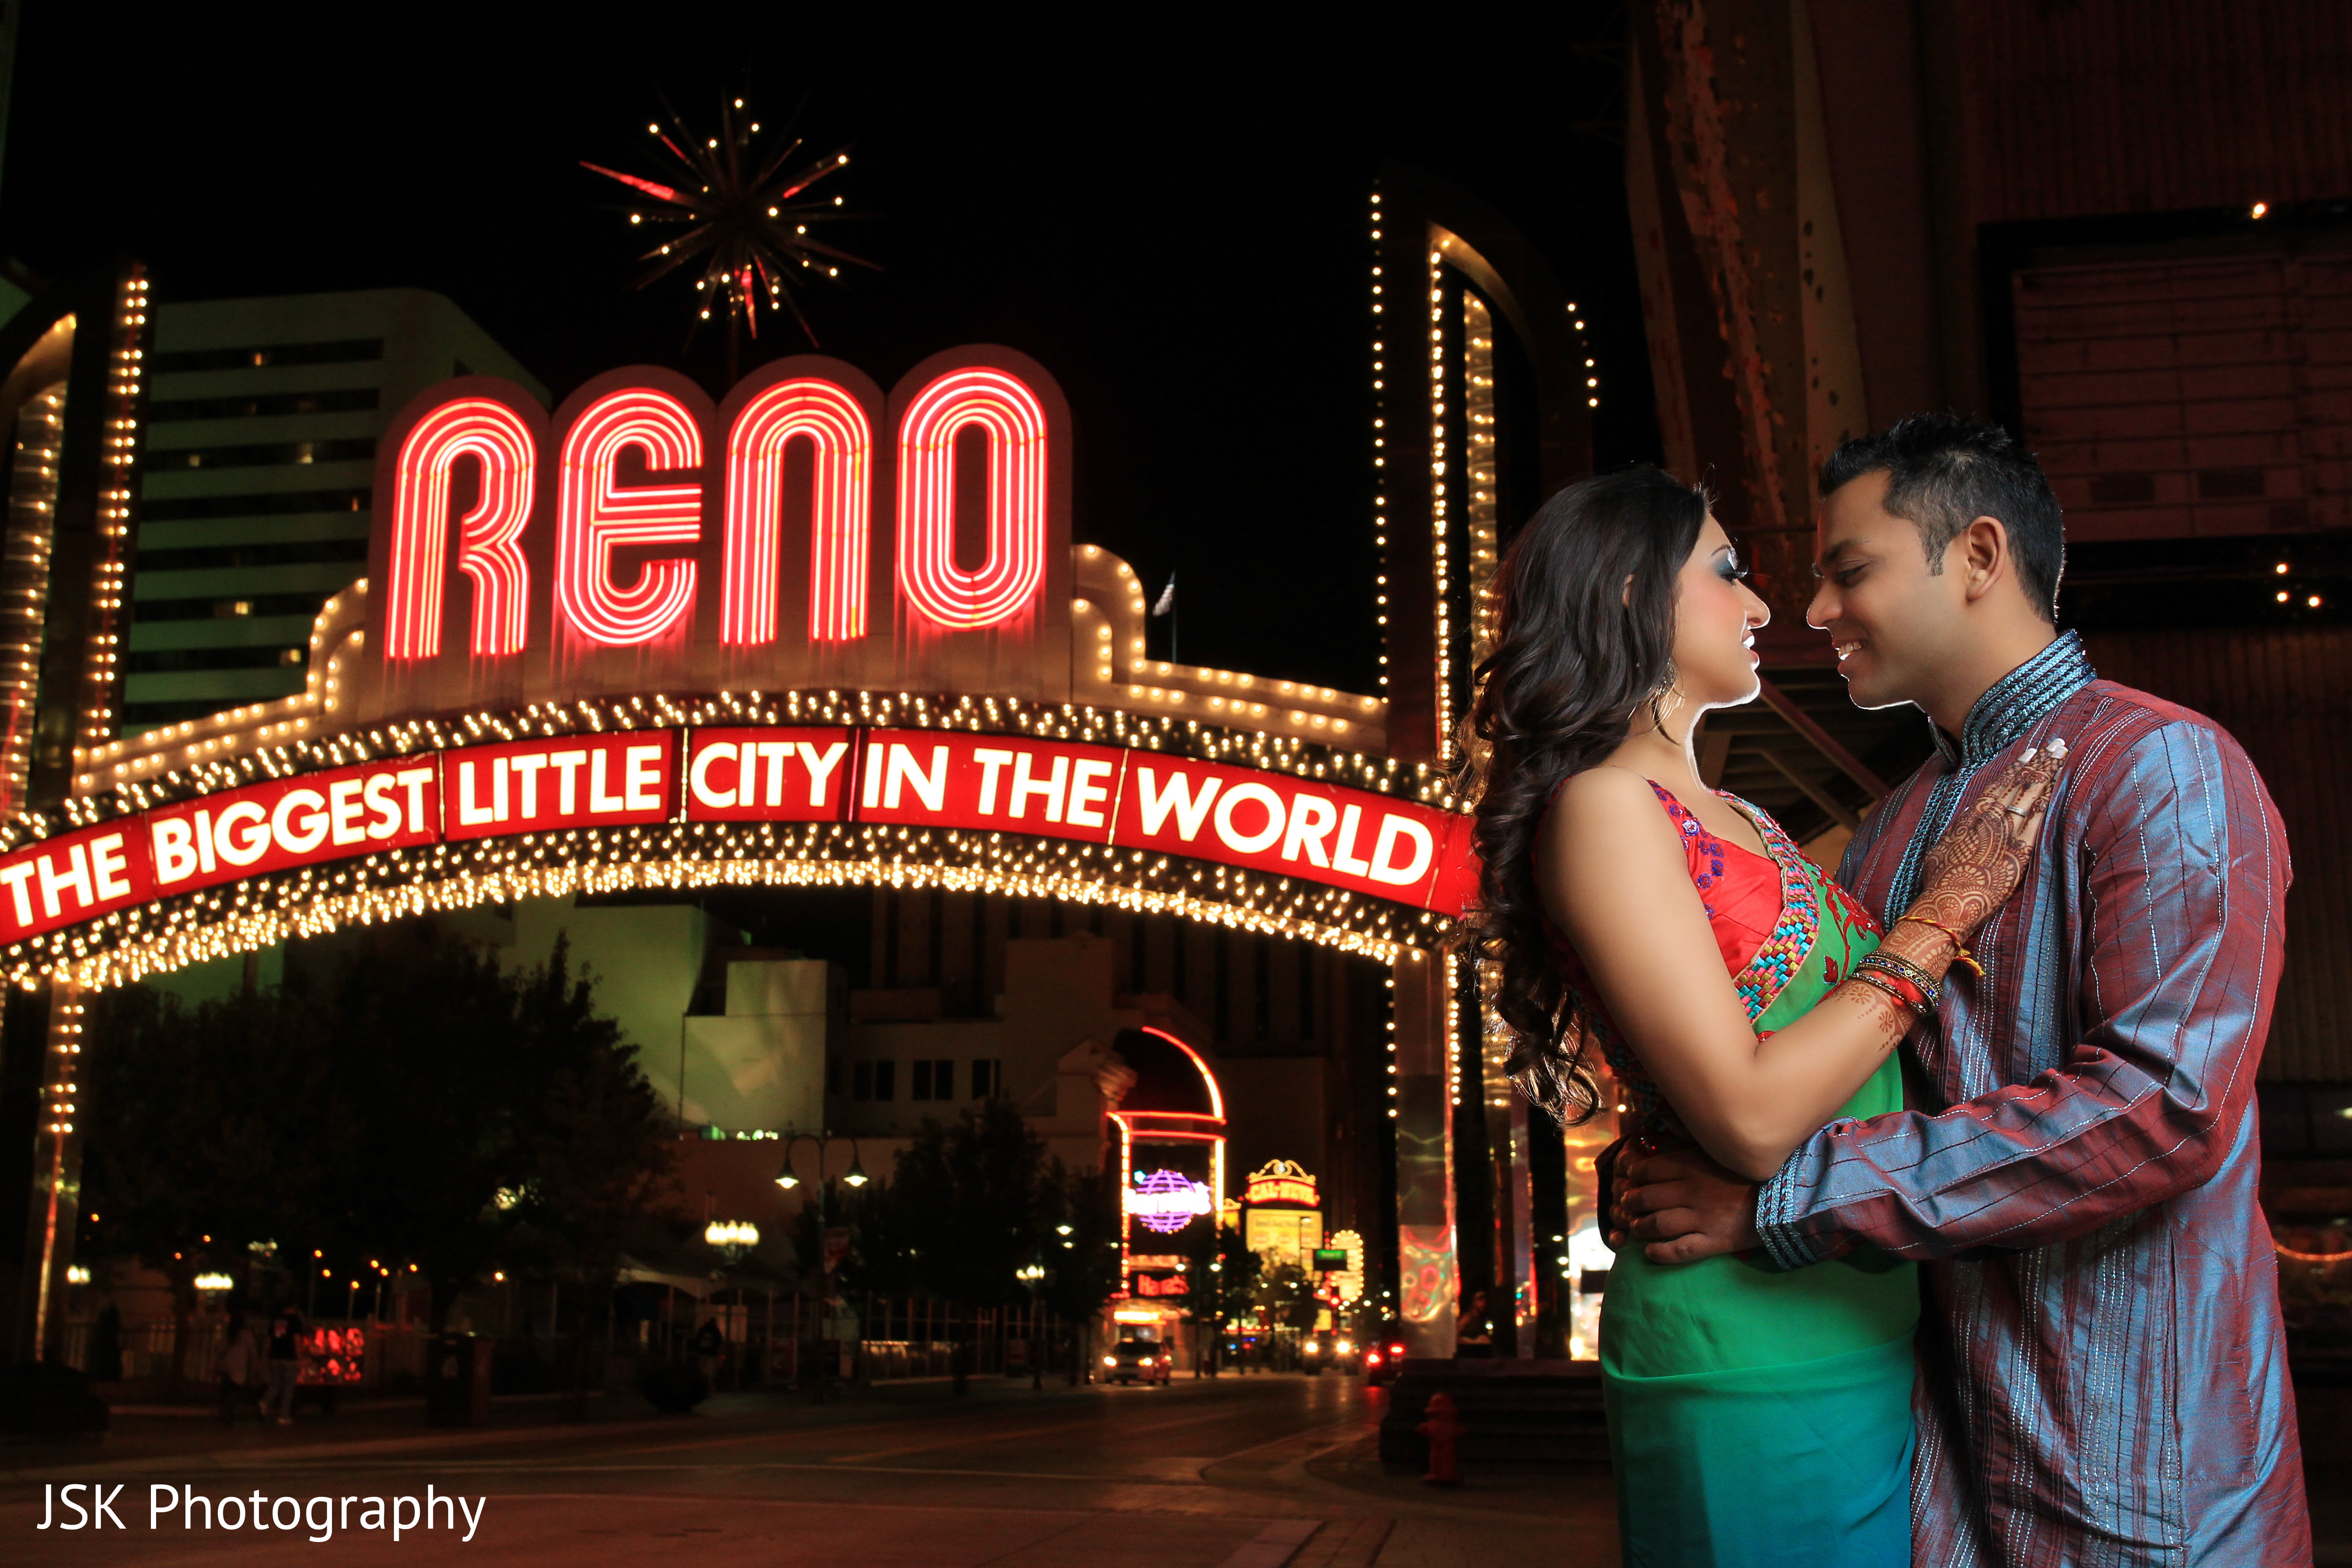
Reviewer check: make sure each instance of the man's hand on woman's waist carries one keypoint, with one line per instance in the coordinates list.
(1681, 1205)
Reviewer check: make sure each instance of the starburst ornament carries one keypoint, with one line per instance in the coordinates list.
(747, 217)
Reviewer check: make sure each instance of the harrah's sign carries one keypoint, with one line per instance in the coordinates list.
(1134, 798)
(807, 531)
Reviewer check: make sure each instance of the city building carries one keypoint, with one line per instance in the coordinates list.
(263, 416)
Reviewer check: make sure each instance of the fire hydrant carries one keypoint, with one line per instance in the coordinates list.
(1444, 1430)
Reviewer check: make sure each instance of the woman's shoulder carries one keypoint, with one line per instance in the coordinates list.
(1609, 800)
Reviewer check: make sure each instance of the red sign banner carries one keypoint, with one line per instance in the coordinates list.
(769, 775)
(571, 781)
(292, 821)
(73, 878)
(1273, 822)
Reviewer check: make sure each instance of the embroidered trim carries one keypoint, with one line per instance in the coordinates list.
(1793, 934)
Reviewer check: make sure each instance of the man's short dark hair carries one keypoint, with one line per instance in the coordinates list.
(1944, 472)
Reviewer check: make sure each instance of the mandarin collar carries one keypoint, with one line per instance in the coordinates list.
(2018, 701)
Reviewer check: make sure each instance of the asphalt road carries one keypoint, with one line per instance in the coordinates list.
(1256, 1472)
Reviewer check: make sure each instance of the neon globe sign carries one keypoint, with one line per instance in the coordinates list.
(1166, 1200)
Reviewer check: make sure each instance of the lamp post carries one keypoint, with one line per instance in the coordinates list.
(1032, 1277)
(788, 1179)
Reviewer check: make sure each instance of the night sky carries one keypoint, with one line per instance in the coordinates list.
(1169, 216)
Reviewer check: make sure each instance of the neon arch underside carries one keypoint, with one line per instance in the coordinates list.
(266, 909)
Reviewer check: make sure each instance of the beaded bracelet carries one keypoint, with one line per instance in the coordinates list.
(1902, 968)
(1960, 953)
(1905, 995)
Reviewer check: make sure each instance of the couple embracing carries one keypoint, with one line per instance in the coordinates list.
(1939, 1176)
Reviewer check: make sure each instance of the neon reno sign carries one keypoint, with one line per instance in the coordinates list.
(1129, 798)
(805, 531)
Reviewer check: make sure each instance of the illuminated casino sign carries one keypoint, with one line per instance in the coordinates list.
(1168, 1201)
(809, 633)
(1284, 1182)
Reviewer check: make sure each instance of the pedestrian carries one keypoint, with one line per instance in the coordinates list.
(1473, 1336)
(285, 1361)
(106, 1354)
(710, 1344)
(240, 1368)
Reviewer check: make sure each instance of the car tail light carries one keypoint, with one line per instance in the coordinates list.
(1396, 1350)
(1373, 1357)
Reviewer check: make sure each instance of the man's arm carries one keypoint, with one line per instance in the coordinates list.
(2187, 872)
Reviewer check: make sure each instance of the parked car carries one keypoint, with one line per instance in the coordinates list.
(1384, 1360)
(1335, 1352)
(1135, 1361)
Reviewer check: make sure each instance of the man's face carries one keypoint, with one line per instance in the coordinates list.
(1890, 618)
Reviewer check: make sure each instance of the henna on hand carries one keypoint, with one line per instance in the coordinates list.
(1978, 861)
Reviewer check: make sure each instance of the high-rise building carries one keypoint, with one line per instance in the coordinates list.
(263, 418)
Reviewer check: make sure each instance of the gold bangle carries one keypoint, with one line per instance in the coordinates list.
(1960, 953)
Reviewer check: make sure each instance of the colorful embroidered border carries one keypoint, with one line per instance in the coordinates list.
(1793, 934)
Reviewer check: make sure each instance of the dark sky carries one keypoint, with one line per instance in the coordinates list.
(1167, 213)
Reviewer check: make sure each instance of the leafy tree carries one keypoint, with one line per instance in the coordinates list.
(514, 1117)
(1223, 1276)
(1082, 1268)
(206, 1130)
(411, 1102)
(964, 1210)
(1285, 1292)
(974, 1202)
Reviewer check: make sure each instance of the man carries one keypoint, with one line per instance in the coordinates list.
(284, 1363)
(2103, 1369)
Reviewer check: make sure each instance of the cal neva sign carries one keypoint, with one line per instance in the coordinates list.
(807, 531)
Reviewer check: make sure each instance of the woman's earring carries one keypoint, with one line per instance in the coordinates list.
(1659, 705)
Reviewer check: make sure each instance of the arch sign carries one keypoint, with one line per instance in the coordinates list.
(808, 633)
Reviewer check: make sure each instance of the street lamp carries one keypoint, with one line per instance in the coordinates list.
(788, 1179)
(1032, 1277)
(732, 1238)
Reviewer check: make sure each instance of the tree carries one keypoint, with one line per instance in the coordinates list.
(962, 1213)
(974, 1202)
(208, 1133)
(411, 1102)
(510, 1117)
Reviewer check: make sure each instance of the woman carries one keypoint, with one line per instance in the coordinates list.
(1738, 996)
(240, 1368)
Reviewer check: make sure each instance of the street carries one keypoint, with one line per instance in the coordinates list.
(1256, 1472)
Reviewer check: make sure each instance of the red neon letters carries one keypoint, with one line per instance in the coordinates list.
(494, 436)
(605, 598)
(833, 423)
(929, 576)
(594, 515)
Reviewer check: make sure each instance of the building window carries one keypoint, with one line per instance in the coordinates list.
(886, 1081)
(347, 351)
(987, 1077)
(861, 1079)
(932, 1079)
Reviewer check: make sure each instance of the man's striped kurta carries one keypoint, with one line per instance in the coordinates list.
(2102, 1366)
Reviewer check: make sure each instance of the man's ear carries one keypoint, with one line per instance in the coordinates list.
(1981, 555)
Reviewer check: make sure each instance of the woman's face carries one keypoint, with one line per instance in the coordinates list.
(1715, 618)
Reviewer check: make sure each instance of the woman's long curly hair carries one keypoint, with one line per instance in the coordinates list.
(1583, 638)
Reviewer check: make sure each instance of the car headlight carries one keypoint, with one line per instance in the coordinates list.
(1110, 1361)
(1314, 1348)
(1343, 1347)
